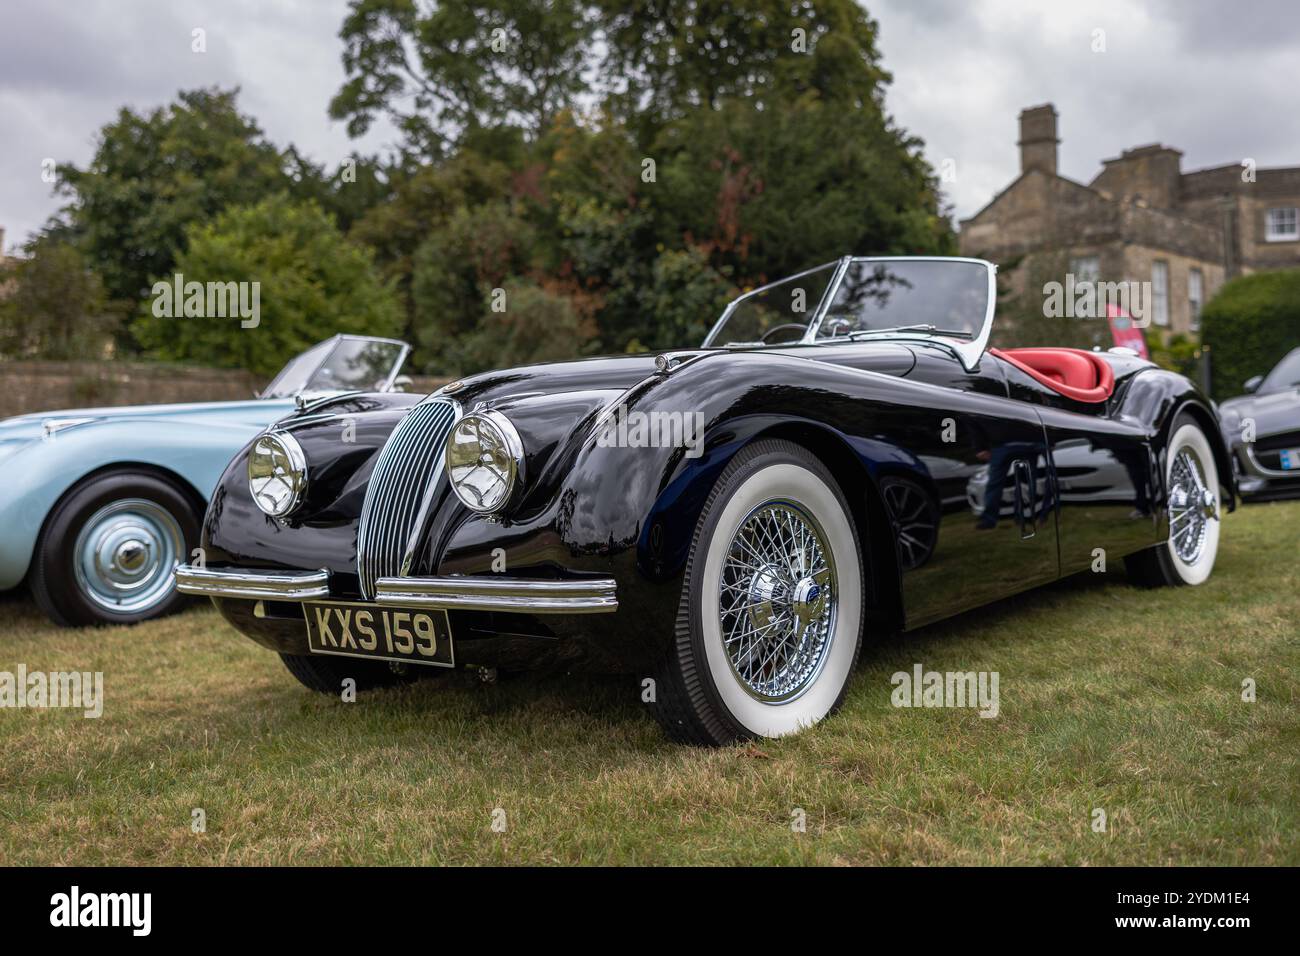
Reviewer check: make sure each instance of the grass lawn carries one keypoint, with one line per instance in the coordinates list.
(1112, 698)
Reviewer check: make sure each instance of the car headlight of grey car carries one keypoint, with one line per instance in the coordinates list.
(277, 473)
(484, 461)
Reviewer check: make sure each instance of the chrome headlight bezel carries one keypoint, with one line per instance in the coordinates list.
(287, 471)
(507, 466)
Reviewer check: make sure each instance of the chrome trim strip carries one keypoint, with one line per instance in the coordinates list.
(253, 583)
(482, 593)
(1263, 470)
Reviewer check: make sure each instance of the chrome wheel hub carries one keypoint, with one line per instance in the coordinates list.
(125, 553)
(1192, 505)
(777, 601)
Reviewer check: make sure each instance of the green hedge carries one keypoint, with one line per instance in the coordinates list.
(1251, 323)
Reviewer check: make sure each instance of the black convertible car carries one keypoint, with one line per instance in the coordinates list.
(727, 523)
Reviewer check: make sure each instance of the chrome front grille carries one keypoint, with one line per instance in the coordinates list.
(403, 481)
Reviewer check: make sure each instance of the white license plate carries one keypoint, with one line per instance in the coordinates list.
(379, 632)
(1290, 459)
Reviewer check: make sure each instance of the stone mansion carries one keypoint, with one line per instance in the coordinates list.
(1141, 219)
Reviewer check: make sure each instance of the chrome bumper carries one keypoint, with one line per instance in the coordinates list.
(454, 592)
(525, 595)
(253, 583)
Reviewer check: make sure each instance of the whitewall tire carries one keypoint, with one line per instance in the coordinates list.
(1194, 506)
(770, 621)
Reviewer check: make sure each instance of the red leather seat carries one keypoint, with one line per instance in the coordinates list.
(1074, 373)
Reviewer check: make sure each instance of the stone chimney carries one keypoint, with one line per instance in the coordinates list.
(1148, 175)
(1038, 139)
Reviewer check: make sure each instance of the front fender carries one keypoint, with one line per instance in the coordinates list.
(1153, 400)
(42, 471)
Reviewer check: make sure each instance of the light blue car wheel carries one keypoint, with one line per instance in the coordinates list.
(125, 555)
(107, 552)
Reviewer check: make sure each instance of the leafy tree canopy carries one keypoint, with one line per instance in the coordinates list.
(54, 307)
(154, 175)
(312, 283)
(439, 70)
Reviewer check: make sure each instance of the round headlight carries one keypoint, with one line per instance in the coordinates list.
(277, 473)
(484, 458)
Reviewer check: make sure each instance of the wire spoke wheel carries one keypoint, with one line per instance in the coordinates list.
(777, 600)
(1192, 505)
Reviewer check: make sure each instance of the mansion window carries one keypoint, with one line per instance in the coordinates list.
(1085, 269)
(1160, 292)
(1282, 224)
(1195, 296)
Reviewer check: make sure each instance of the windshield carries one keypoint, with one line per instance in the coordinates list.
(342, 364)
(774, 314)
(1285, 374)
(942, 297)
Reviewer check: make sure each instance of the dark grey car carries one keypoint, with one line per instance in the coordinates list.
(1263, 430)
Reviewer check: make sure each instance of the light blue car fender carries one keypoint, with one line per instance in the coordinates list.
(44, 455)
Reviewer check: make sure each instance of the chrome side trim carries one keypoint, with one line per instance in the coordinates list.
(1264, 470)
(253, 583)
(525, 595)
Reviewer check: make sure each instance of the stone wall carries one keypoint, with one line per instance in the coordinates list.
(31, 386)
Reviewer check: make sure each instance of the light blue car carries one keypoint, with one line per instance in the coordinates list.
(99, 505)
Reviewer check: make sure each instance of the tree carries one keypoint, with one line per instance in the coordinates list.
(56, 307)
(438, 71)
(749, 143)
(456, 271)
(771, 192)
(670, 57)
(533, 321)
(1251, 323)
(307, 280)
(154, 175)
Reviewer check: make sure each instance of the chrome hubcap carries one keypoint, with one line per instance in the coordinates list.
(777, 601)
(124, 555)
(1192, 505)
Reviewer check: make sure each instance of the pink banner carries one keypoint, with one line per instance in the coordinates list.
(1124, 333)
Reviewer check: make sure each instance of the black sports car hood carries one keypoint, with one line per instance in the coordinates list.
(617, 373)
(610, 373)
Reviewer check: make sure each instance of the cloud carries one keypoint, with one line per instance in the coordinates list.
(66, 70)
(1216, 81)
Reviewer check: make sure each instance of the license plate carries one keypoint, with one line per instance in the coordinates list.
(379, 632)
(1290, 458)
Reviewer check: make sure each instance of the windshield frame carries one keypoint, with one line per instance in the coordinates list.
(334, 342)
(815, 315)
(968, 351)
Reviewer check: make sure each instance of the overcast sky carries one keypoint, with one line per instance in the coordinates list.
(1219, 80)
